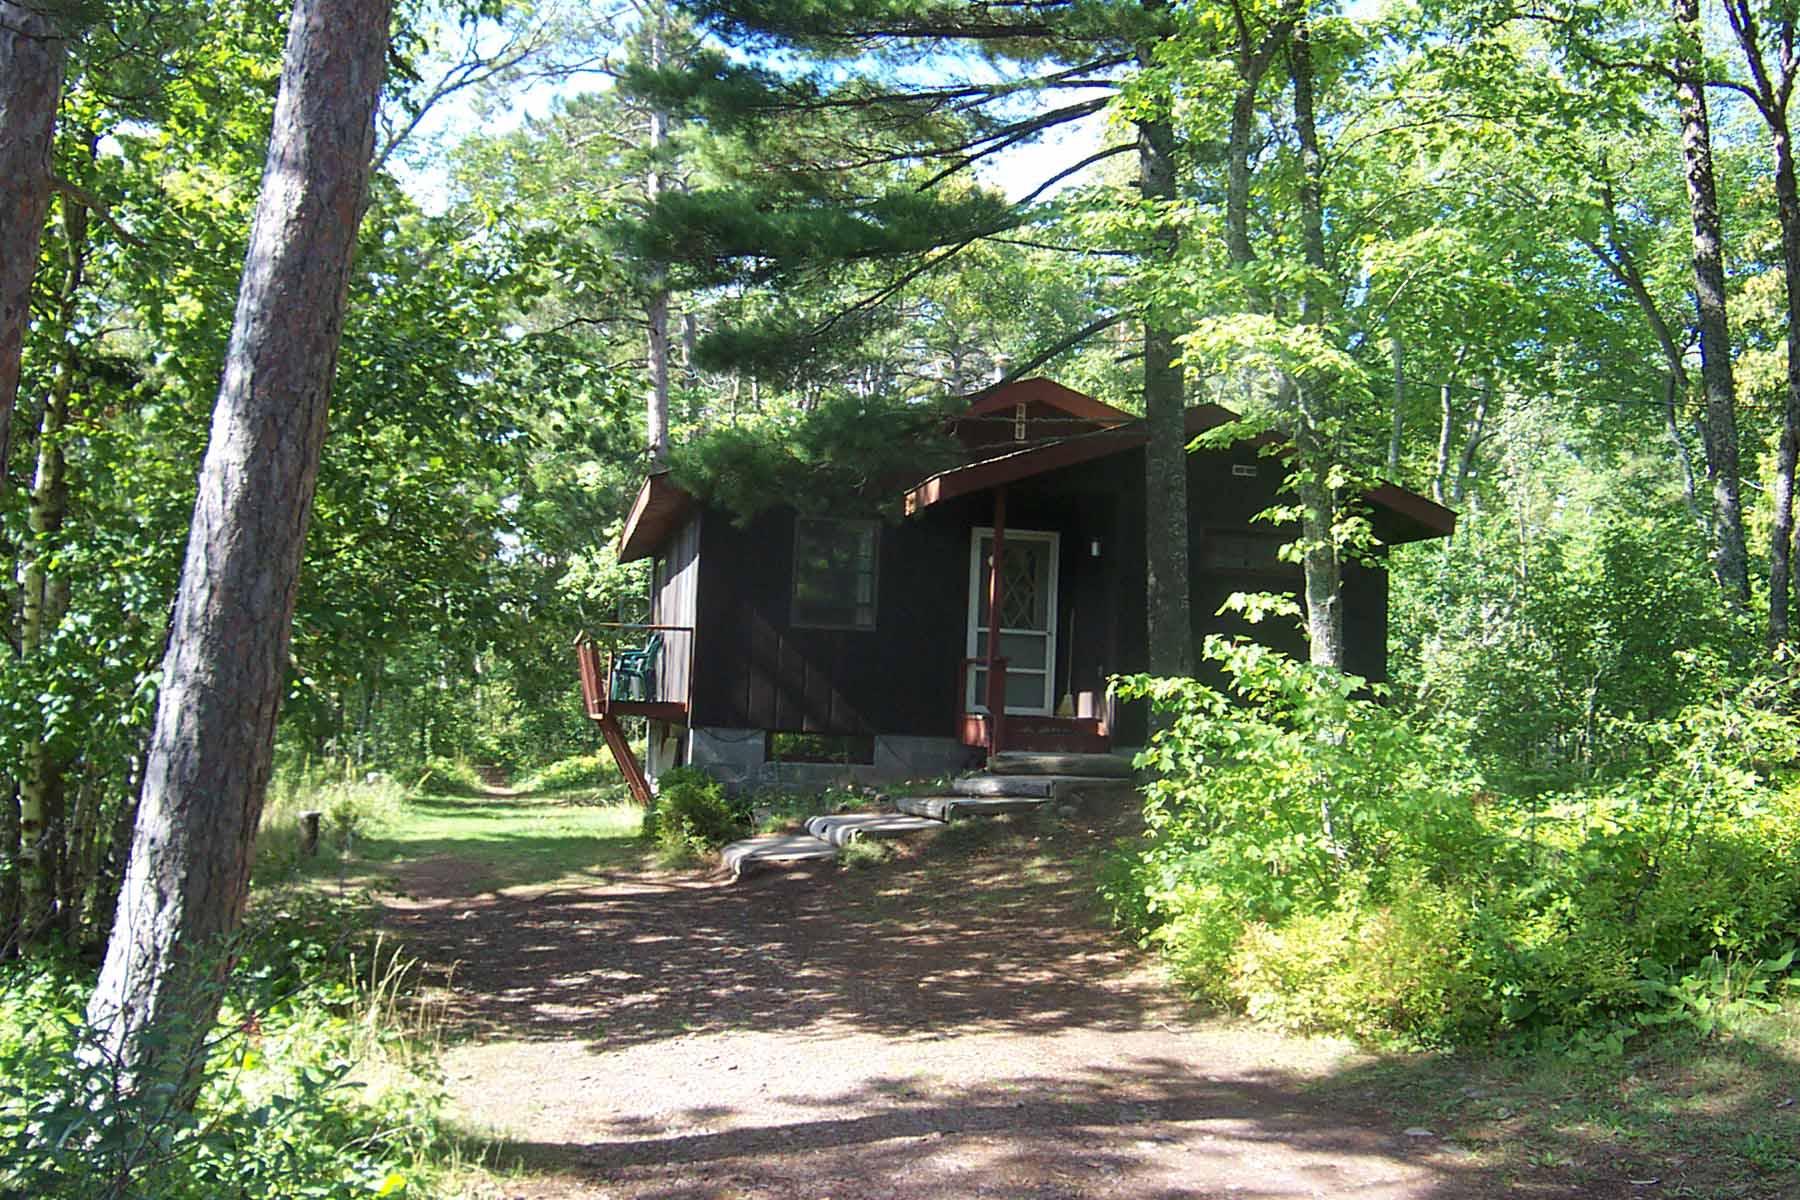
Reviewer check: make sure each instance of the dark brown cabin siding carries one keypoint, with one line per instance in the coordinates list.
(674, 583)
(758, 671)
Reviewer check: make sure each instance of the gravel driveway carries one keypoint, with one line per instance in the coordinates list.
(951, 1023)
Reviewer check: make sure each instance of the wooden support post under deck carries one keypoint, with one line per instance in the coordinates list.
(996, 697)
(627, 760)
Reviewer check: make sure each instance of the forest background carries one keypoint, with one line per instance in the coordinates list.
(1537, 262)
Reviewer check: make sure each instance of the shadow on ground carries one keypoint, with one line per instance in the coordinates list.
(958, 1024)
(1148, 1127)
(637, 957)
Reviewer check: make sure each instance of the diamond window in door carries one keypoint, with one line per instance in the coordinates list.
(1022, 597)
(1025, 579)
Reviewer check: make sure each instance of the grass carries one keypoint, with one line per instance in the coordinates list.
(508, 840)
(866, 852)
(322, 1077)
(1708, 1118)
(372, 827)
(348, 806)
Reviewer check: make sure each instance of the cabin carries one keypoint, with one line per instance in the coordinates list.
(802, 649)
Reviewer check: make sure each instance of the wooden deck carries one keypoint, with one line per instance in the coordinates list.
(671, 688)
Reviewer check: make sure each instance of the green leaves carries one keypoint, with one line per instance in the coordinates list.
(841, 457)
(1323, 861)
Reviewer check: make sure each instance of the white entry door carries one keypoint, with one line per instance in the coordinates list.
(1027, 619)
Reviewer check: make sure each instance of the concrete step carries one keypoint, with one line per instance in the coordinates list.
(1089, 766)
(771, 849)
(1043, 787)
(840, 829)
(948, 808)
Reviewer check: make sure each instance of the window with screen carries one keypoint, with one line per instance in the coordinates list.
(834, 573)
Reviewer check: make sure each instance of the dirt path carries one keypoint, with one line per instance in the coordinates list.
(953, 1025)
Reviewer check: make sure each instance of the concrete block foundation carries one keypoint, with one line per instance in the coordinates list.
(735, 758)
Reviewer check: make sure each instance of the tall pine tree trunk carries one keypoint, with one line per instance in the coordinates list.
(31, 78)
(1170, 628)
(210, 751)
(1314, 443)
(1731, 563)
(656, 306)
(44, 598)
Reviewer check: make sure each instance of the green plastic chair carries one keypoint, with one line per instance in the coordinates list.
(634, 671)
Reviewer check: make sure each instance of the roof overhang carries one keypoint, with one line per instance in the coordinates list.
(662, 507)
(1051, 456)
(1429, 519)
(1415, 517)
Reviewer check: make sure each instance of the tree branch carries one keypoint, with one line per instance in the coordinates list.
(1065, 343)
(95, 205)
(1013, 134)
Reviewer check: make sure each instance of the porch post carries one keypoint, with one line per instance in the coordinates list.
(996, 669)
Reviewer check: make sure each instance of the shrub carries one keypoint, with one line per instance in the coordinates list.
(776, 810)
(446, 777)
(1321, 861)
(689, 817)
(582, 771)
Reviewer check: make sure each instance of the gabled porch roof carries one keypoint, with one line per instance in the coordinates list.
(1051, 456)
(1414, 518)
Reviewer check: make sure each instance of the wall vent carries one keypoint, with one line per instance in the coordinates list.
(1243, 470)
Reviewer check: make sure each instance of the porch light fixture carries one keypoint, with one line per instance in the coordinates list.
(1094, 548)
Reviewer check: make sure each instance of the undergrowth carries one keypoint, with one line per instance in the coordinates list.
(319, 1080)
(1321, 861)
(351, 805)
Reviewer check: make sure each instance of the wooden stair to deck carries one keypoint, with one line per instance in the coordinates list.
(622, 753)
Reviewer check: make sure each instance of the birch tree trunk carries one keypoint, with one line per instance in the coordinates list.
(44, 598)
(1446, 428)
(1787, 452)
(1397, 419)
(1731, 563)
(1465, 465)
(1253, 58)
(31, 77)
(1313, 441)
(209, 758)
